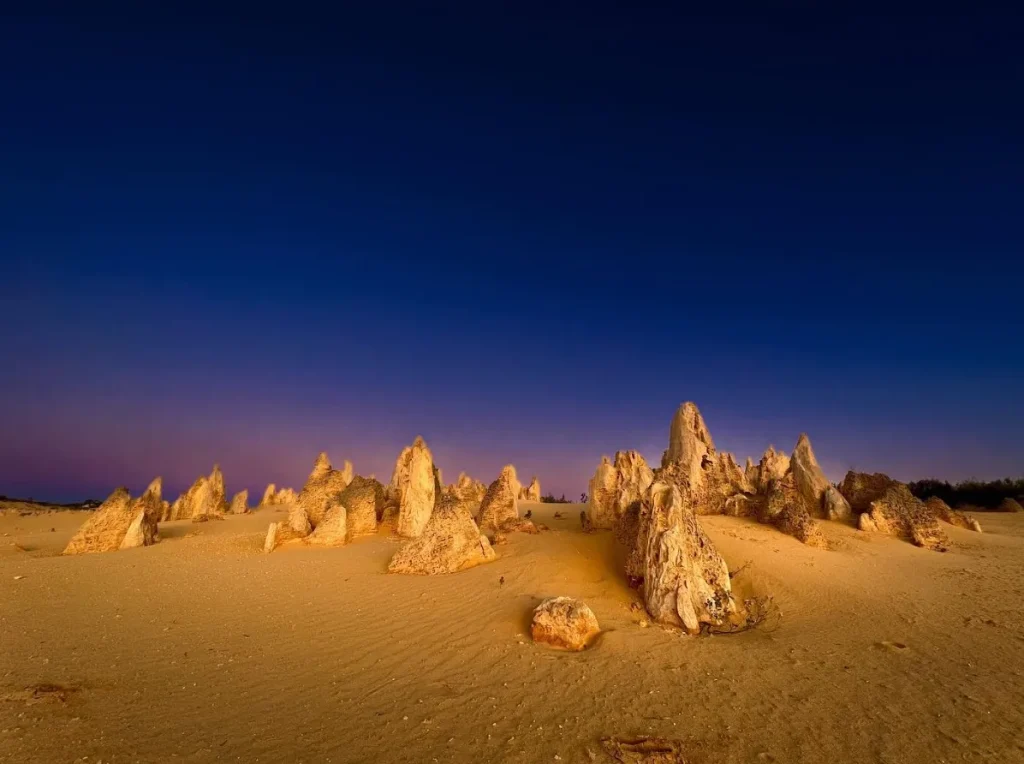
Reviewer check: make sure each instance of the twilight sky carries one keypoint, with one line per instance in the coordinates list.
(248, 234)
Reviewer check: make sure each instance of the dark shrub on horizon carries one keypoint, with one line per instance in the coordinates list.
(982, 495)
(549, 499)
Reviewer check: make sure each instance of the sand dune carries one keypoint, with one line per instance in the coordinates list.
(203, 649)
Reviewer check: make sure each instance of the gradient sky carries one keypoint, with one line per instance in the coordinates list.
(248, 234)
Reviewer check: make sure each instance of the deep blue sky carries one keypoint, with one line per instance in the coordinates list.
(246, 234)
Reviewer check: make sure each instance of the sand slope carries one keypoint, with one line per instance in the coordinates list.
(202, 649)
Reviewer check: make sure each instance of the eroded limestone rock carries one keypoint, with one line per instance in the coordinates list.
(240, 503)
(813, 486)
(616, 487)
(205, 500)
(322, 488)
(897, 512)
(686, 581)
(332, 530)
(499, 509)
(860, 489)
(298, 521)
(943, 512)
(363, 500)
(773, 466)
(151, 502)
(564, 622)
(268, 495)
(450, 542)
(109, 525)
(141, 532)
(689, 444)
(414, 484)
(532, 491)
(601, 504)
(786, 507)
(274, 497)
(281, 533)
(469, 489)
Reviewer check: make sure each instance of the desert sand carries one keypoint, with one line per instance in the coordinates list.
(201, 648)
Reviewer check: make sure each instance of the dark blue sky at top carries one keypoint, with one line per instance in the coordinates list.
(245, 234)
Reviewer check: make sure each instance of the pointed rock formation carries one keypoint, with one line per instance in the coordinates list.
(109, 526)
(363, 500)
(689, 443)
(633, 478)
(691, 460)
(785, 507)
(820, 496)
(286, 496)
(240, 503)
(897, 512)
(218, 499)
(204, 500)
(564, 622)
(142, 532)
(713, 483)
(298, 521)
(601, 504)
(617, 487)
(942, 511)
(332, 529)
(450, 542)
(268, 495)
(686, 581)
(469, 490)
(533, 490)
(151, 502)
(773, 465)
(174, 511)
(499, 510)
(274, 497)
(413, 488)
(751, 473)
(322, 488)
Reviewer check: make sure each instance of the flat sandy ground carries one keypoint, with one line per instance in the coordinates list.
(203, 649)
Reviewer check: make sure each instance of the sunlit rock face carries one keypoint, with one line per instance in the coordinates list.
(322, 488)
(499, 509)
(363, 500)
(565, 623)
(819, 495)
(450, 542)
(204, 500)
(240, 503)
(468, 488)
(118, 523)
(414, 486)
(616, 487)
(691, 459)
(895, 511)
(532, 491)
(788, 494)
(685, 580)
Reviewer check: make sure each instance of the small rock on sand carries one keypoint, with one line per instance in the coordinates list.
(564, 622)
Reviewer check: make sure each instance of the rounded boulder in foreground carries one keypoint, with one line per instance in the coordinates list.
(564, 622)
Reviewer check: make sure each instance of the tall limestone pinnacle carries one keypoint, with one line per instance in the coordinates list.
(689, 441)
(414, 483)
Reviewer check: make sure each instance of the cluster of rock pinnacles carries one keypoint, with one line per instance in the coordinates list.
(653, 512)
